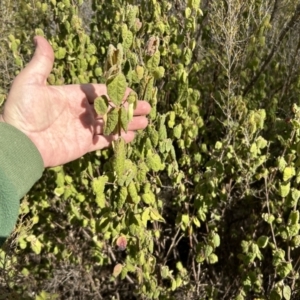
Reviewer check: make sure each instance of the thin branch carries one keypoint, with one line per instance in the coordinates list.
(275, 48)
(268, 206)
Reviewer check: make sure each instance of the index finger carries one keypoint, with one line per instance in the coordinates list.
(92, 91)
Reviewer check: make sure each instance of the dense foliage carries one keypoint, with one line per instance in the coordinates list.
(204, 203)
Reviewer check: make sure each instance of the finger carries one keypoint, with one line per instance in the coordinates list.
(137, 123)
(92, 91)
(41, 64)
(142, 108)
(101, 141)
(99, 126)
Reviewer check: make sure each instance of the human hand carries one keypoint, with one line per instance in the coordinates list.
(60, 120)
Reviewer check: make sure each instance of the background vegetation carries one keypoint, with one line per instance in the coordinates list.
(204, 203)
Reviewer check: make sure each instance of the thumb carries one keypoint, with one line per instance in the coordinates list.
(41, 64)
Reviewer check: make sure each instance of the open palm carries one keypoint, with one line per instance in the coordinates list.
(60, 120)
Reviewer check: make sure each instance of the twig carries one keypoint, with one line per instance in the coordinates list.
(172, 245)
(113, 257)
(268, 206)
(268, 59)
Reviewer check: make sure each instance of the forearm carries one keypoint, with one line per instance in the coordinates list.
(21, 166)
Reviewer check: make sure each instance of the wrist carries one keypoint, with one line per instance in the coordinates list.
(3, 121)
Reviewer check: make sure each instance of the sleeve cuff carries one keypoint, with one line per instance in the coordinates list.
(20, 160)
(21, 165)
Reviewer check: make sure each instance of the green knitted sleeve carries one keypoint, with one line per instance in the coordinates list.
(21, 165)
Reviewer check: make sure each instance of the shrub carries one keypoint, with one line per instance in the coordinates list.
(204, 203)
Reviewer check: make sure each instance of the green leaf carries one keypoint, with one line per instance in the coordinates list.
(123, 114)
(178, 281)
(98, 185)
(288, 173)
(148, 198)
(284, 189)
(100, 200)
(253, 150)
(75, 211)
(120, 54)
(35, 244)
(153, 61)
(101, 105)
(284, 269)
(180, 267)
(287, 292)
(281, 164)
(130, 174)
(119, 157)
(187, 12)
(262, 241)
(164, 272)
(112, 121)
(261, 142)
(153, 135)
(123, 193)
(218, 146)
(141, 258)
(133, 193)
(212, 259)
(154, 162)
(127, 40)
(98, 72)
(293, 218)
(130, 111)
(116, 88)
(132, 98)
(216, 240)
(208, 251)
(146, 216)
(185, 219)
(269, 218)
(59, 191)
(196, 222)
(60, 53)
(45, 296)
(124, 272)
(112, 57)
(177, 131)
(276, 294)
(278, 256)
(239, 297)
(293, 230)
(296, 241)
(174, 285)
(124, 34)
(140, 72)
(159, 72)
(295, 194)
(155, 216)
